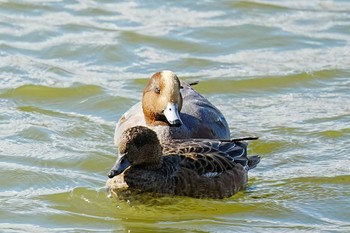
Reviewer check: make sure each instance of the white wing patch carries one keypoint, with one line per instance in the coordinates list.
(211, 174)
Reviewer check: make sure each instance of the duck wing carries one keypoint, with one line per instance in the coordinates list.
(210, 157)
(233, 150)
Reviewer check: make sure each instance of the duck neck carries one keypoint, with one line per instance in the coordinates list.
(156, 120)
(157, 162)
(156, 165)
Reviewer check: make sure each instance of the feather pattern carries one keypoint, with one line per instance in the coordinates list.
(214, 155)
(196, 167)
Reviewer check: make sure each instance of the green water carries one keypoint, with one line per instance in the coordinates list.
(276, 69)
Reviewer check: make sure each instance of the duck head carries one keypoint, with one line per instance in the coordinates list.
(162, 100)
(138, 146)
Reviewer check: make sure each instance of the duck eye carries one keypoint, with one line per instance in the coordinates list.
(157, 90)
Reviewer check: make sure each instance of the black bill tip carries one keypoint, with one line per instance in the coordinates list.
(176, 123)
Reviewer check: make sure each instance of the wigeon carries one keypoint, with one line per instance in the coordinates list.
(174, 110)
(199, 168)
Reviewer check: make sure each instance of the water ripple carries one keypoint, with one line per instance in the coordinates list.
(276, 69)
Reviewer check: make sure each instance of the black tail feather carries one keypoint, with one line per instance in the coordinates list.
(194, 83)
(253, 161)
(249, 138)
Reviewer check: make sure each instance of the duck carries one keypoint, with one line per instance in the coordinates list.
(174, 110)
(199, 168)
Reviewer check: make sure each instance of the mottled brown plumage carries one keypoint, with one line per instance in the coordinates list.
(197, 168)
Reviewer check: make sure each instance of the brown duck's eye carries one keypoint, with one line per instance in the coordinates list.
(157, 90)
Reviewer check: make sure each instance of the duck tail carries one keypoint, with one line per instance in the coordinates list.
(194, 83)
(253, 161)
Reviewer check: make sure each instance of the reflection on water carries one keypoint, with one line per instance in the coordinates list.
(276, 69)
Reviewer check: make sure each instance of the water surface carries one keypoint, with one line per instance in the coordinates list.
(276, 69)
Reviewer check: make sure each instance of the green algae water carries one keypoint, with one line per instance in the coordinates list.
(279, 70)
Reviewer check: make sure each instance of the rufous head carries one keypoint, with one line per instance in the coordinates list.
(162, 100)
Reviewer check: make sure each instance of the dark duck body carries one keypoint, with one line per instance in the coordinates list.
(192, 167)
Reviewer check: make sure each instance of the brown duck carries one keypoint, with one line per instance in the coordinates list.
(174, 110)
(197, 167)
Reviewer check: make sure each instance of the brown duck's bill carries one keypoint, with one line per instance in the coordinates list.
(120, 166)
(172, 114)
